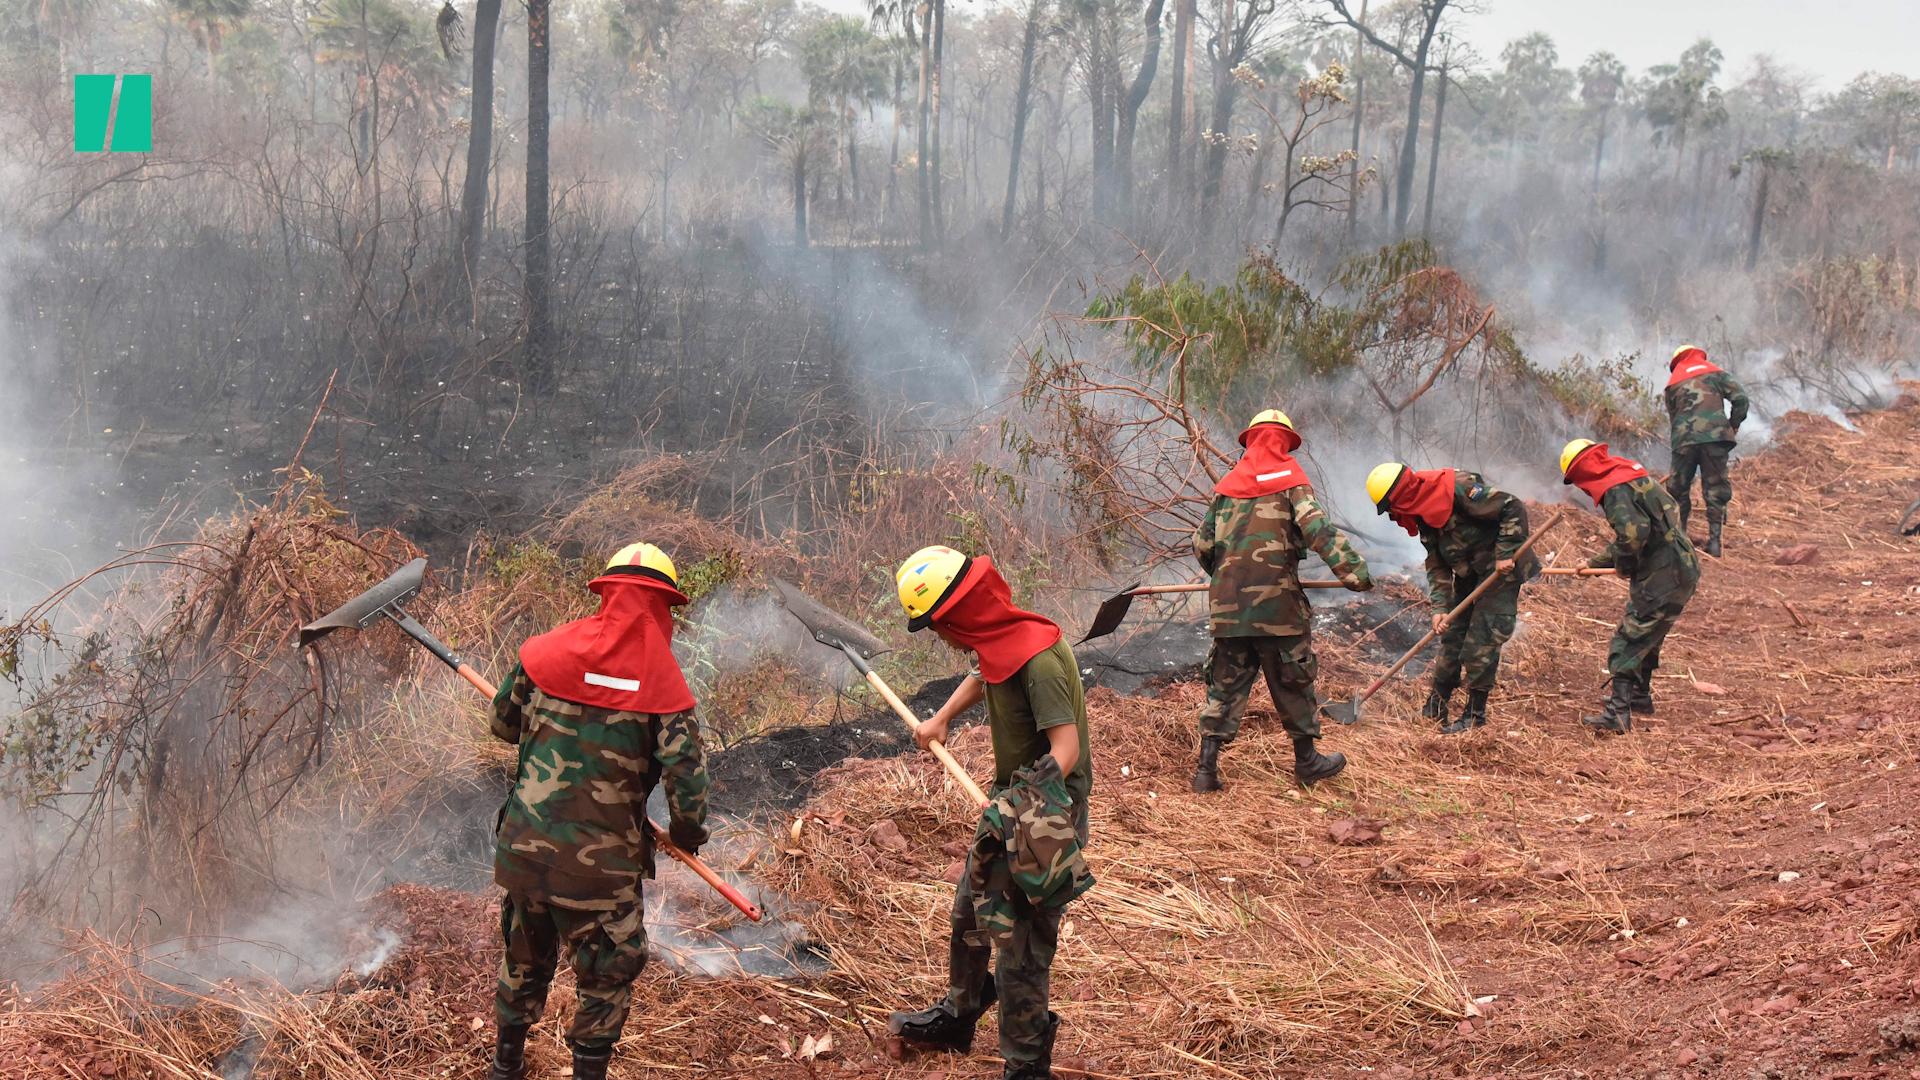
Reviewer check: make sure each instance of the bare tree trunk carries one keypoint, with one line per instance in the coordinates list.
(1131, 104)
(1599, 149)
(1759, 217)
(939, 52)
(1022, 100)
(925, 126)
(1177, 133)
(1101, 107)
(893, 155)
(1226, 91)
(473, 189)
(539, 250)
(799, 198)
(1359, 102)
(1433, 150)
(1410, 142)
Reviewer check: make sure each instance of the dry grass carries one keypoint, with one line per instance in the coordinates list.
(1541, 902)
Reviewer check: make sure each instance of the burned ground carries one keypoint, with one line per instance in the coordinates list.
(1732, 890)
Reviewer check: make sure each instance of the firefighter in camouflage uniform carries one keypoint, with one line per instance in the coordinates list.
(601, 713)
(1707, 407)
(1650, 548)
(1261, 522)
(1025, 863)
(1471, 531)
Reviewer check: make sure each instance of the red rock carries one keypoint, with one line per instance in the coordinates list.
(956, 870)
(1354, 832)
(885, 834)
(1779, 1006)
(1797, 555)
(1686, 1057)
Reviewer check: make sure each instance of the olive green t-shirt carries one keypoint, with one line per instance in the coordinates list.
(1045, 693)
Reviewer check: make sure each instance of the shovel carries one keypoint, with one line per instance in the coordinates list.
(383, 602)
(1348, 712)
(1113, 610)
(1581, 571)
(830, 628)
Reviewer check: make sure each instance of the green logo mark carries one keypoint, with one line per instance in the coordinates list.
(94, 113)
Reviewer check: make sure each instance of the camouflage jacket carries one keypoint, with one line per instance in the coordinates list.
(1647, 534)
(1698, 408)
(1032, 824)
(1487, 525)
(573, 828)
(1252, 550)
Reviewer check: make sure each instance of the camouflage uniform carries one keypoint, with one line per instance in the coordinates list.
(1487, 525)
(1650, 547)
(1260, 618)
(1703, 433)
(571, 848)
(993, 908)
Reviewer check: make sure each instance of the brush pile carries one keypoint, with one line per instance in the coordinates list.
(1733, 889)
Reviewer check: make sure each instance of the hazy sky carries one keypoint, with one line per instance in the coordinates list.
(1832, 40)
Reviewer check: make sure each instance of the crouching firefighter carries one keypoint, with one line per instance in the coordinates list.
(1026, 862)
(1256, 531)
(1472, 531)
(1706, 406)
(601, 714)
(1650, 548)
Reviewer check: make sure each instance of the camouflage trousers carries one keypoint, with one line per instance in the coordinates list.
(1290, 667)
(1710, 461)
(1470, 649)
(1659, 593)
(606, 950)
(1023, 972)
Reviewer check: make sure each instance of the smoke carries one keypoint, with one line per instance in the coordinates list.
(737, 628)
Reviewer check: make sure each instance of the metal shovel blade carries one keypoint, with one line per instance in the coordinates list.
(362, 610)
(1113, 612)
(1341, 712)
(828, 627)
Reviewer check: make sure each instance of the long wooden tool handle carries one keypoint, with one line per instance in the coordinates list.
(1201, 586)
(1581, 571)
(940, 751)
(1491, 579)
(660, 839)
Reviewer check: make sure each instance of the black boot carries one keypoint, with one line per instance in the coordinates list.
(1439, 704)
(1474, 715)
(1641, 703)
(509, 1054)
(940, 1028)
(1206, 775)
(590, 1063)
(1617, 715)
(1043, 1068)
(1310, 766)
(1714, 523)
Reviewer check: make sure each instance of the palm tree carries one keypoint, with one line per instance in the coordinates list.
(210, 20)
(1602, 78)
(796, 137)
(845, 66)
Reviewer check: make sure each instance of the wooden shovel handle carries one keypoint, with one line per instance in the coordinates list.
(1579, 571)
(1463, 605)
(938, 750)
(1201, 586)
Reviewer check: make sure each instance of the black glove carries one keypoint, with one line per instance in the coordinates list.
(1626, 567)
(686, 835)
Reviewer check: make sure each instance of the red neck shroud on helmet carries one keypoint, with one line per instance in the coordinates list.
(1690, 364)
(1267, 466)
(1422, 496)
(619, 658)
(1596, 471)
(980, 616)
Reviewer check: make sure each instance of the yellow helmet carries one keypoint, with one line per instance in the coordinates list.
(645, 559)
(1381, 480)
(1682, 351)
(925, 579)
(1265, 416)
(1573, 450)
